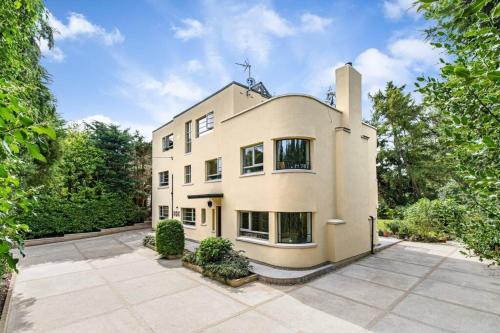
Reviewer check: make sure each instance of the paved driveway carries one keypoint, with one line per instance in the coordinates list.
(112, 284)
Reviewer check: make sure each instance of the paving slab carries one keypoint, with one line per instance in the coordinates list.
(491, 284)
(399, 253)
(358, 290)
(396, 324)
(447, 316)
(337, 306)
(188, 311)
(249, 322)
(60, 284)
(478, 299)
(389, 279)
(292, 313)
(152, 286)
(30, 314)
(52, 269)
(128, 271)
(471, 266)
(122, 320)
(395, 266)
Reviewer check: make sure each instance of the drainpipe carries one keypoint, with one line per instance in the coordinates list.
(372, 229)
(172, 194)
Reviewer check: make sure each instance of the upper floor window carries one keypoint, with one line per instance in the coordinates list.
(187, 174)
(205, 123)
(253, 158)
(188, 130)
(167, 142)
(189, 216)
(163, 178)
(214, 169)
(294, 228)
(163, 212)
(293, 154)
(254, 224)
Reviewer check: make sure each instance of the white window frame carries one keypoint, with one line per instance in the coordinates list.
(254, 165)
(203, 216)
(190, 219)
(167, 142)
(188, 127)
(309, 226)
(208, 124)
(216, 176)
(161, 212)
(249, 230)
(187, 174)
(163, 179)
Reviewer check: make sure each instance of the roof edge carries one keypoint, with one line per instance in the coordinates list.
(203, 100)
(278, 97)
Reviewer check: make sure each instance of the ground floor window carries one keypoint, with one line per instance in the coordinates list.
(163, 212)
(294, 228)
(254, 224)
(189, 216)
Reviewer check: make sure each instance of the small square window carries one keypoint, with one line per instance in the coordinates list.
(253, 159)
(163, 181)
(163, 212)
(167, 142)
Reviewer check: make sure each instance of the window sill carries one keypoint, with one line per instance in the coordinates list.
(205, 133)
(294, 171)
(252, 174)
(277, 245)
(188, 184)
(213, 181)
(189, 226)
(162, 187)
(335, 221)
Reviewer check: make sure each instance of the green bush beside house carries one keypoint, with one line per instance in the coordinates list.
(169, 238)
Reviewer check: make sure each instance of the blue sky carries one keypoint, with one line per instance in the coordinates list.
(139, 62)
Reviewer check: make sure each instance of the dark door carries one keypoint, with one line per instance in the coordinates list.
(219, 221)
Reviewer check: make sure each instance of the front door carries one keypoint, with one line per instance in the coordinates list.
(219, 221)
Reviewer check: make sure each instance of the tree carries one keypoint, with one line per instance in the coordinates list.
(406, 161)
(466, 96)
(141, 169)
(27, 113)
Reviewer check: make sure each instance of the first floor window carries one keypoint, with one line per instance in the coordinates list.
(188, 136)
(189, 216)
(187, 174)
(253, 158)
(293, 154)
(254, 224)
(214, 169)
(163, 212)
(294, 228)
(163, 178)
(167, 142)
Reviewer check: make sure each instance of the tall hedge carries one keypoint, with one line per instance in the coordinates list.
(169, 238)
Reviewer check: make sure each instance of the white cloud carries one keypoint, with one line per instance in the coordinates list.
(174, 86)
(144, 129)
(193, 66)
(79, 27)
(54, 54)
(396, 9)
(314, 23)
(191, 29)
(252, 31)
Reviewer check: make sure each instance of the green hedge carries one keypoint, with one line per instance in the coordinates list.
(212, 249)
(169, 238)
(56, 216)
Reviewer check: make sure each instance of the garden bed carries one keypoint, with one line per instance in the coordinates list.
(235, 283)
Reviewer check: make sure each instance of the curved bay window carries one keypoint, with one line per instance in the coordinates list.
(294, 228)
(293, 154)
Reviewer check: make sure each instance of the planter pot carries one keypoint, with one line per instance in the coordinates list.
(386, 233)
(230, 282)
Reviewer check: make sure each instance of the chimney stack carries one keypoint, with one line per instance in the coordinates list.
(348, 95)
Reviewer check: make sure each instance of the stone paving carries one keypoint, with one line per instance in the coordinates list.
(113, 284)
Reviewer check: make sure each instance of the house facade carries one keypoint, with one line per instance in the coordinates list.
(288, 179)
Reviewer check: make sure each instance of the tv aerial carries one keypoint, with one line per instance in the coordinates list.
(247, 67)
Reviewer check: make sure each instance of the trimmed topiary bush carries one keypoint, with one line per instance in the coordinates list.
(212, 249)
(169, 238)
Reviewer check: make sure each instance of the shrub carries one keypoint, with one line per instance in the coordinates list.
(149, 240)
(432, 220)
(189, 257)
(233, 265)
(212, 249)
(169, 238)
